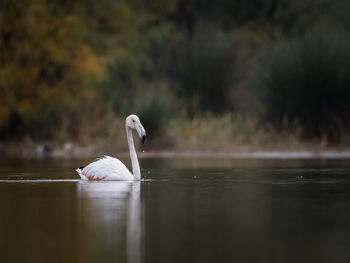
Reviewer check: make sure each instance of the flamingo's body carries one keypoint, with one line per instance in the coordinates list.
(106, 168)
(109, 168)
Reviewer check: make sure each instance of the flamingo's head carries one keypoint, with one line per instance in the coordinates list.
(133, 122)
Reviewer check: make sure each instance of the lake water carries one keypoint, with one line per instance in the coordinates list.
(185, 210)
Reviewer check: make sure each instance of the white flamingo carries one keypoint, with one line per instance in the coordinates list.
(109, 168)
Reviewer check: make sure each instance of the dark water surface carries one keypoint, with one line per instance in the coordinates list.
(183, 211)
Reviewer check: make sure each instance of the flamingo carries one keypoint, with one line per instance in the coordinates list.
(109, 168)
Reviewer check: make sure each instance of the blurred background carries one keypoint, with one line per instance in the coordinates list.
(201, 74)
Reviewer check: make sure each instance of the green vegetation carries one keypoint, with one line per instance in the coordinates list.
(250, 74)
(306, 82)
(205, 72)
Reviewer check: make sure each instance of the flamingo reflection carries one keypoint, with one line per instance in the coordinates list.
(111, 208)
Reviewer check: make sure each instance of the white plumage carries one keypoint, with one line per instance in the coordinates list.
(106, 168)
(109, 168)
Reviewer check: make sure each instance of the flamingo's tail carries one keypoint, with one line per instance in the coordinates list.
(80, 172)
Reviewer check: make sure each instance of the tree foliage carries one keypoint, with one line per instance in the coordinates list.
(62, 61)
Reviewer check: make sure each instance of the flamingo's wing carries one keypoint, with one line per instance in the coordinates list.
(106, 168)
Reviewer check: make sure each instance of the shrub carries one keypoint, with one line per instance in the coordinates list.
(204, 72)
(307, 81)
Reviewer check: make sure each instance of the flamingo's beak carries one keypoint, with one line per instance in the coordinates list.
(141, 132)
(143, 138)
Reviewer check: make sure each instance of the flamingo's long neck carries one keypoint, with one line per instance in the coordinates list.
(134, 161)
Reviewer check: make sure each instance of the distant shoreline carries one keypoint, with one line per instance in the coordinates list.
(249, 155)
(82, 153)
